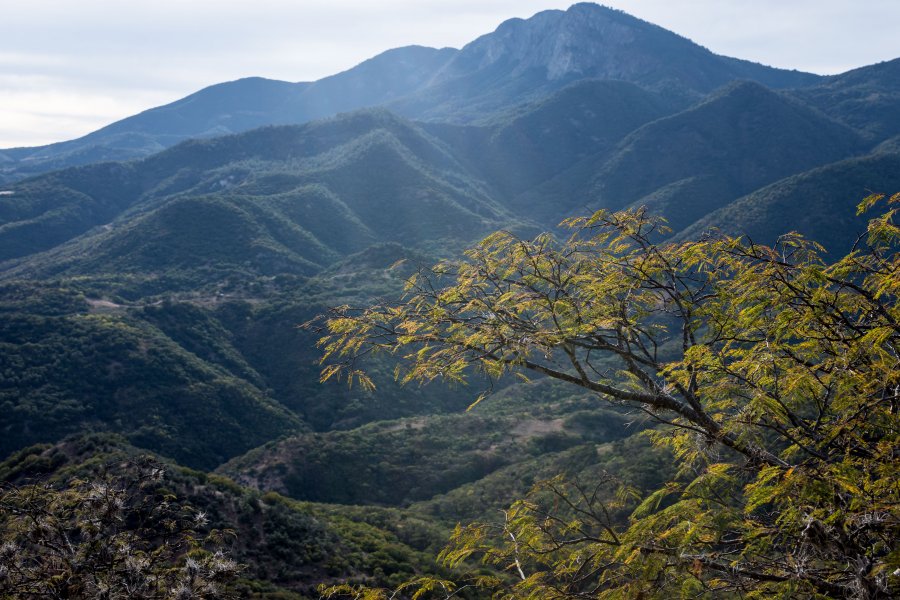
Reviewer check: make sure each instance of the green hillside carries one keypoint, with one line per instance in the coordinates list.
(820, 204)
(72, 364)
(396, 463)
(273, 201)
(741, 138)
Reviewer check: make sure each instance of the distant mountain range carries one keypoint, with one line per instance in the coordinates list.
(155, 295)
(522, 60)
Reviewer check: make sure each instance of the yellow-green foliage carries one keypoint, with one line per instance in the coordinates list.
(773, 373)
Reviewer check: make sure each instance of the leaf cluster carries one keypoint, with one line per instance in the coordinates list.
(773, 375)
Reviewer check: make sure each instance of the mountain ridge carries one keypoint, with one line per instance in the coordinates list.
(423, 83)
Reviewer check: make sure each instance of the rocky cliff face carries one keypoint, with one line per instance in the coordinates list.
(585, 40)
(589, 40)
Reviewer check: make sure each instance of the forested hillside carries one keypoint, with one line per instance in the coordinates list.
(162, 279)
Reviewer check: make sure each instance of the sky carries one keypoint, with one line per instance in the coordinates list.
(69, 67)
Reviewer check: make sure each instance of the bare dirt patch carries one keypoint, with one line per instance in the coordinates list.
(535, 427)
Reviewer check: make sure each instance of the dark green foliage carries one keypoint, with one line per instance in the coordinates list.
(42, 213)
(812, 203)
(197, 331)
(40, 298)
(399, 462)
(67, 369)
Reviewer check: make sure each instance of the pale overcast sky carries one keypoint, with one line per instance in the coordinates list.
(68, 67)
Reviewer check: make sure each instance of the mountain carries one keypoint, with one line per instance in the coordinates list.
(157, 304)
(522, 61)
(820, 204)
(293, 198)
(521, 148)
(685, 165)
(867, 99)
(529, 58)
(234, 107)
(187, 265)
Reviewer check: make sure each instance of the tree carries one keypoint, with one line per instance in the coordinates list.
(773, 376)
(114, 537)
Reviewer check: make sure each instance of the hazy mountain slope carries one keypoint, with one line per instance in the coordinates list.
(390, 75)
(525, 147)
(521, 61)
(820, 204)
(234, 107)
(688, 164)
(216, 110)
(289, 199)
(867, 98)
(529, 58)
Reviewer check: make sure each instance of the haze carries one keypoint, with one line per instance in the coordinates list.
(68, 68)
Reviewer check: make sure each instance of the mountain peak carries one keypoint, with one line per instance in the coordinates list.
(593, 41)
(564, 43)
(523, 60)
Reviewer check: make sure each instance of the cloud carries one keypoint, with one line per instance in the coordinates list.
(41, 110)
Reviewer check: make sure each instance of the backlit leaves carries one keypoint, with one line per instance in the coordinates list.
(774, 376)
